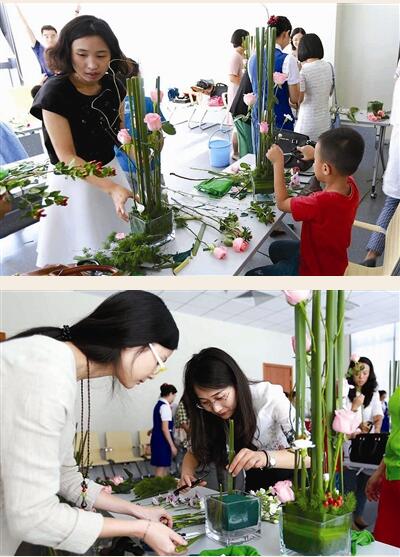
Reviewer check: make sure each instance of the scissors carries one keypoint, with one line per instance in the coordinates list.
(179, 489)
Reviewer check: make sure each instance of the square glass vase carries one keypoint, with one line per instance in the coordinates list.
(233, 517)
(310, 533)
(160, 230)
(262, 185)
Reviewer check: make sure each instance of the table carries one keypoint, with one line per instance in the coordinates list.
(380, 130)
(204, 263)
(267, 543)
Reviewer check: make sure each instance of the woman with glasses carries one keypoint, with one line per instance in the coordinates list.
(162, 444)
(129, 336)
(216, 390)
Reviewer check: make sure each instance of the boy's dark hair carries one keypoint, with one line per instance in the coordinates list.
(281, 23)
(238, 36)
(343, 148)
(35, 90)
(167, 389)
(47, 28)
(310, 46)
(59, 57)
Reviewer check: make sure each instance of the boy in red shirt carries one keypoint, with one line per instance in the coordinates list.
(327, 215)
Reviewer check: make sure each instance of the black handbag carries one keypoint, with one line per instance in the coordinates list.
(289, 141)
(368, 448)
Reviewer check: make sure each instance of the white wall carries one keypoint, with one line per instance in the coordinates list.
(132, 410)
(367, 47)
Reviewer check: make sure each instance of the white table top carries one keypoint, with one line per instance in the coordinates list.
(362, 118)
(267, 543)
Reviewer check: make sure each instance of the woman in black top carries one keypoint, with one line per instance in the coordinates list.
(80, 110)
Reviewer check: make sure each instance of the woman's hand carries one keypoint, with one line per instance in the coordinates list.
(307, 151)
(174, 451)
(154, 514)
(374, 484)
(120, 196)
(247, 459)
(161, 539)
(187, 478)
(357, 402)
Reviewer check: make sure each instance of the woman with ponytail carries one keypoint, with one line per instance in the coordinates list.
(129, 336)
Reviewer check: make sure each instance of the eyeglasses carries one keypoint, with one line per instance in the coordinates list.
(209, 404)
(160, 364)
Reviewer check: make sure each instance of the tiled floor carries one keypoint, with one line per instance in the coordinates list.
(189, 149)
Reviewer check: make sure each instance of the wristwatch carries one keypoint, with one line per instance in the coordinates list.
(271, 461)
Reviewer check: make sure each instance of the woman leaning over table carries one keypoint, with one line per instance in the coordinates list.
(128, 336)
(216, 389)
(384, 484)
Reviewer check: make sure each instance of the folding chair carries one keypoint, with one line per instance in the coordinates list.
(144, 446)
(120, 449)
(95, 450)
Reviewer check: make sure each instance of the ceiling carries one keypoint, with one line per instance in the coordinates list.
(267, 309)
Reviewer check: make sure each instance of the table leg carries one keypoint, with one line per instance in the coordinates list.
(378, 154)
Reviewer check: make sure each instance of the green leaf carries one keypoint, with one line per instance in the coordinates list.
(168, 128)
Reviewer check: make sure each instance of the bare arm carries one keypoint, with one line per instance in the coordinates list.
(60, 134)
(167, 435)
(294, 93)
(234, 78)
(377, 423)
(29, 31)
(275, 155)
(246, 459)
(189, 465)
(301, 97)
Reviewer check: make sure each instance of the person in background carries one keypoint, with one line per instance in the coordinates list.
(182, 432)
(295, 37)
(316, 86)
(216, 389)
(11, 149)
(391, 181)
(386, 420)
(162, 444)
(235, 73)
(363, 399)
(384, 484)
(49, 38)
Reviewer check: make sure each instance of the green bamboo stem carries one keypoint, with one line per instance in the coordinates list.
(300, 333)
(340, 347)
(231, 453)
(317, 432)
(331, 323)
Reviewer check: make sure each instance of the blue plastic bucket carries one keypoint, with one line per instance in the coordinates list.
(220, 152)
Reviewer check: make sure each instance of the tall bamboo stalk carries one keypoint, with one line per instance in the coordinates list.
(231, 453)
(330, 399)
(300, 332)
(317, 431)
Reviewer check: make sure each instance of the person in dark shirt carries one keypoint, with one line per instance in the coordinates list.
(80, 109)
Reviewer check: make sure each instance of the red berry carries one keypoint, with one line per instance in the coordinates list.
(325, 504)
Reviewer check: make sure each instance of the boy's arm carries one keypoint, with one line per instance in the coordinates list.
(282, 198)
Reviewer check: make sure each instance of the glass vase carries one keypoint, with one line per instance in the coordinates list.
(232, 518)
(311, 533)
(262, 184)
(159, 230)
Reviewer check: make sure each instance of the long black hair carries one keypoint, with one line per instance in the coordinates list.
(126, 319)
(59, 57)
(370, 386)
(213, 368)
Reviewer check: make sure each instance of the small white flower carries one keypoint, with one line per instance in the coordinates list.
(288, 117)
(326, 477)
(140, 208)
(302, 444)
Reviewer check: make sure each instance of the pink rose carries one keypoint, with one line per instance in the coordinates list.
(235, 168)
(283, 490)
(354, 358)
(153, 95)
(294, 297)
(380, 113)
(239, 244)
(295, 180)
(250, 99)
(120, 236)
(371, 117)
(264, 127)
(345, 421)
(220, 252)
(279, 78)
(116, 480)
(124, 137)
(107, 489)
(153, 121)
(308, 344)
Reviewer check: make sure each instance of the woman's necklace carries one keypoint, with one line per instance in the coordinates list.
(84, 468)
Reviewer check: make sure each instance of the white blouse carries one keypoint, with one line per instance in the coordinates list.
(367, 414)
(37, 416)
(275, 415)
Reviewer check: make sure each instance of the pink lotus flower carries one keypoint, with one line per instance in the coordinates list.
(220, 252)
(239, 245)
(120, 236)
(371, 117)
(124, 137)
(280, 78)
(345, 421)
(153, 95)
(308, 344)
(354, 358)
(153, 121)
(283, 490)
(107, 489)
(264, 127)
(250, 99)
(116, 480)
(294, 297)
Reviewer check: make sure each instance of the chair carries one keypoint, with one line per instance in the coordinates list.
(96, 458)
(120, 449)
(391, 255)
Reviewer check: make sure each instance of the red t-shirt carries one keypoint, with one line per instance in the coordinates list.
(326, 232)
